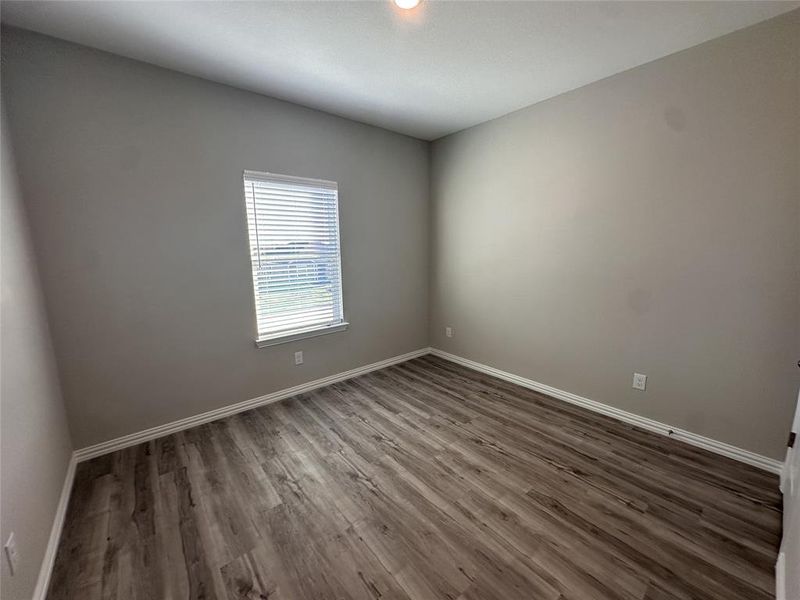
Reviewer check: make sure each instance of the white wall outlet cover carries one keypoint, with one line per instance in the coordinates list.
(448, 331)
(298, 357)
(11, 553)
(639, 381)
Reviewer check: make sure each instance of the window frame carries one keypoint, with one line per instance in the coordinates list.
(283, 337)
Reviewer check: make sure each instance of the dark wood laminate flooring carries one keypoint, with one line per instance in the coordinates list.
(424, 480)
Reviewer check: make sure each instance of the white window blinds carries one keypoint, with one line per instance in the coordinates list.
(294, 249)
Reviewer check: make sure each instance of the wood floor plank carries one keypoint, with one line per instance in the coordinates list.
(424, 480)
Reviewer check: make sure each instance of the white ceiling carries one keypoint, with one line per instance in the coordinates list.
(428, 72)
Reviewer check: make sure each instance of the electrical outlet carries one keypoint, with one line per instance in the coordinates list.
(298, 357)
(448, 331)
(11, 553)
(639, 381)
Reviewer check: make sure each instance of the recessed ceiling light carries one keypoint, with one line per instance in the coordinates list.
(406, 4)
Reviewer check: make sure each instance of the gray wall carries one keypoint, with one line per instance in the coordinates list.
(132, 175)
(648, 222)
(34, 439)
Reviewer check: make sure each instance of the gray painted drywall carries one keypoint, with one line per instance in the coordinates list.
(132, 175)
(35, 444)
(648, 222)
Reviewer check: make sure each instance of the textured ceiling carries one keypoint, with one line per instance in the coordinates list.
(428, 72)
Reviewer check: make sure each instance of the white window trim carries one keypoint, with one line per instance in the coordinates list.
(299, 334)
(285, 337)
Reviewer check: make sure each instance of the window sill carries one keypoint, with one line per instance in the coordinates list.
(299, 334)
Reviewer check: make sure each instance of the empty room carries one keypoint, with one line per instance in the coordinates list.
(400, 299)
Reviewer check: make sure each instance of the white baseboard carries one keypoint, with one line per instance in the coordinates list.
(219, 413)
(89, 452)
(745, 456)
(46, 570)
(780, 576)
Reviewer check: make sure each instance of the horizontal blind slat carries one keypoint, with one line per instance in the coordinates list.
(269, 197)
(298, 317)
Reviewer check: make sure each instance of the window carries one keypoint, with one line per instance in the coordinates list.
(294, 249)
